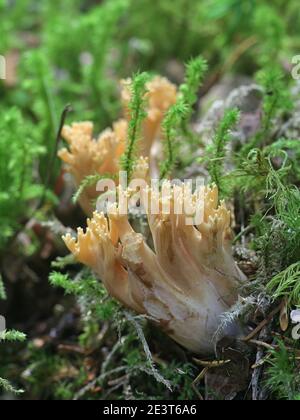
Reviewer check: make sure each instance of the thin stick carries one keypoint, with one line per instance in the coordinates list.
(197, 380)
(261, 362)
(212, 364)
(262, 344)
(262, 324)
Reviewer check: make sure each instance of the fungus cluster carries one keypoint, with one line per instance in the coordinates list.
(184, 283)
(87, 156)
(185, 277)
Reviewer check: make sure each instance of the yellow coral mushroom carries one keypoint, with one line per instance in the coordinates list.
(184, 284)
(88, 156)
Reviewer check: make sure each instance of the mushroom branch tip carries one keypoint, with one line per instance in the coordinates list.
(184, 282)
(161, 95)
(87, 156)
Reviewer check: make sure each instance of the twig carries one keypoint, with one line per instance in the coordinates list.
(239, 51)
(100, 378)
(242, 233)
(257, 392)
(108, 359)
(197, 392)
(117, 381)
(261, 362)
(233, 58)
(115, 387)
(197, 380)
(265, 322)
(201, 375)
(147, 351)
(212, 364)
(267, 346)
(262, 344)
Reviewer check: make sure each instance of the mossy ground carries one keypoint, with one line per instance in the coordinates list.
(80, 343)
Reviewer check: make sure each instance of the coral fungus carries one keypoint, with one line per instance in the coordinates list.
(184, 284)
(87, 156)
